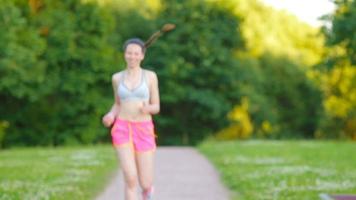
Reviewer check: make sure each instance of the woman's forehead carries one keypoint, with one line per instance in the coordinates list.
(133, 47)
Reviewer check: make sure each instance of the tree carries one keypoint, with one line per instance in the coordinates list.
(196, 69)
(337, 74)
(343, 29)
(54, 71)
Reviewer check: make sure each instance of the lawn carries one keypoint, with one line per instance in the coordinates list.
(55, 173)
(279, 170)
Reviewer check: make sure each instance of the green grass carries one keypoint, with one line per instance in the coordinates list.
(55, 173)
(280, 170)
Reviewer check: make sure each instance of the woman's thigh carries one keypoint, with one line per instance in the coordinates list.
(145, 167)
(126, 156)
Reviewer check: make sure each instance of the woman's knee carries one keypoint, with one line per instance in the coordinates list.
(131, 181)
(146, 184)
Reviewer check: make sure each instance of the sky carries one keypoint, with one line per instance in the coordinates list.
(306, 10)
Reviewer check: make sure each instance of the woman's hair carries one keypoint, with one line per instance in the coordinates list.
(137, 41)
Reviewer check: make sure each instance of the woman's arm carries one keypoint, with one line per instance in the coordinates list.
(116, 106)
(109, 118)
(154, 104)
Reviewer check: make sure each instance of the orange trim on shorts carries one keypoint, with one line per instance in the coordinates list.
(130, 136)
(121, 145)
(150, 132)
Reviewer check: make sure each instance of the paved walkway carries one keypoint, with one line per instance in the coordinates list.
(181, 173)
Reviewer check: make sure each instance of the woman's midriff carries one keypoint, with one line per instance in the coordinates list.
(131, 111)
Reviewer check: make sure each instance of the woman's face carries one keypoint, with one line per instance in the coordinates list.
(133, 55)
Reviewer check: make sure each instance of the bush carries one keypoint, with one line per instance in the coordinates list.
(55, 71)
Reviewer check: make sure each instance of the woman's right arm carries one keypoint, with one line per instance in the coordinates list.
(109, 118)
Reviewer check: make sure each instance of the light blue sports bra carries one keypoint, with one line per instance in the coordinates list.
(141, 92)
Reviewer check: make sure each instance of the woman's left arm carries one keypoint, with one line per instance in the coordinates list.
(154, 103)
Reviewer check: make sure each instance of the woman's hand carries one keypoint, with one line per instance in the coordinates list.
(108, 119)
(145, 109)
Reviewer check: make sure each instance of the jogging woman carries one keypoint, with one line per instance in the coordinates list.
(136, 100)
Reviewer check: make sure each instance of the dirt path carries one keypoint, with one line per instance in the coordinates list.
(181, 173)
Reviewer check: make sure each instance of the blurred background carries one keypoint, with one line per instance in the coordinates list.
(232, 69)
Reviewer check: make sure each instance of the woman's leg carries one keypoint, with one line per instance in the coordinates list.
(145, 167)
(127, 162)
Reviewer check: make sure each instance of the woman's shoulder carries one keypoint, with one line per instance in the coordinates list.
(150, 73)
(116, 76)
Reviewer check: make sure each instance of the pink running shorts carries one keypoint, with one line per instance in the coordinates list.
(140, 135)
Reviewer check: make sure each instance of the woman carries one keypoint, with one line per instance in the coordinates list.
(136, 100)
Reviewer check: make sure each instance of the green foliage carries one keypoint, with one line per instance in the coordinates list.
(56, 61)
(338, 83)
(343, 29)
(3, 126)
(55, 83)
(337, 74)
(21, 69)
(277, 32)
(272, 74)
(294, 101)
(283, 102)
(196, 69)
